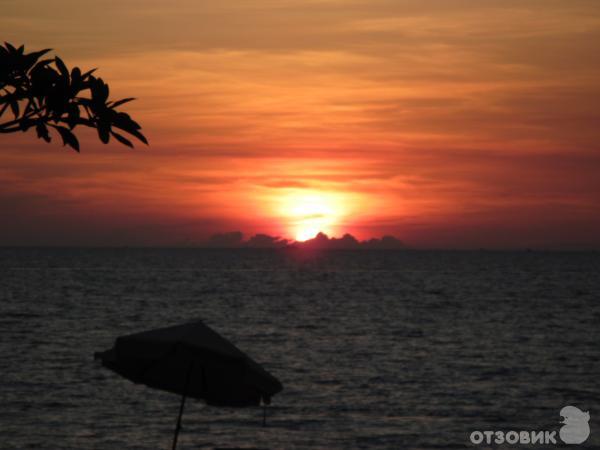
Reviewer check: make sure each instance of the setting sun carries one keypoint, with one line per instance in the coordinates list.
(310, 213)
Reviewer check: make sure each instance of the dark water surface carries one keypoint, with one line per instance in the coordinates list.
(382, 350)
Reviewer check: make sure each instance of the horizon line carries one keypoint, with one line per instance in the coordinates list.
(287, 248)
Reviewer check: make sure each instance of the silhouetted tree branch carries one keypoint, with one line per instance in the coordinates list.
(44, 94)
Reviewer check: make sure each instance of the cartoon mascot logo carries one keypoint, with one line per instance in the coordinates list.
(575, 429)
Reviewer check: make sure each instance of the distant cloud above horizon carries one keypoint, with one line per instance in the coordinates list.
(235, 239)
(469, 124)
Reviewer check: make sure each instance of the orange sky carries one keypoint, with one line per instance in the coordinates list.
(446, 123)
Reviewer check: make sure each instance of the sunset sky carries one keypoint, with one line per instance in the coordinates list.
(455, 124)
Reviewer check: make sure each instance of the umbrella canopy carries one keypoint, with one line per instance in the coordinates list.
(193, 360)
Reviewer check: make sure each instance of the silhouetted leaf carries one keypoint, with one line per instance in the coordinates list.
(121, 102)
(31, 58)
(40, 53)
(4, 108)
(42, 132)
(139, 135)
(76, 81)
(68, 137)
(76, 74)
(73, 115)
(14, 106)
(99, 92)
(103, 132)
(122, 139)
(10, 48)
(61, 67)
(87, 74)
(125, 122)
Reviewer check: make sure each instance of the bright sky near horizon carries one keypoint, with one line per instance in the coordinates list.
(457, 123)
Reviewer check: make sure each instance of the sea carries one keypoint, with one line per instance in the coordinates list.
(375, 349)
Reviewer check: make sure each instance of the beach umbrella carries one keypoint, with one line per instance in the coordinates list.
(191, 360)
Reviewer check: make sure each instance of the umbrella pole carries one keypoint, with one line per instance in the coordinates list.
(178, 426)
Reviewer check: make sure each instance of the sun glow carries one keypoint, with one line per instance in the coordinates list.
(310, 213)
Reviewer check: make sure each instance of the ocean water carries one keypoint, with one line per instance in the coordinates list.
(381, 350)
